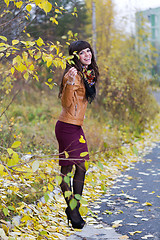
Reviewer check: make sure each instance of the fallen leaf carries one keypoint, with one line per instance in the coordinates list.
(132, 233)
(147, 236)
(147, 204)
(124, 237)
(137, 216)
(117, 223)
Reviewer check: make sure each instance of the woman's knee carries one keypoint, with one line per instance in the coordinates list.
(81, 167)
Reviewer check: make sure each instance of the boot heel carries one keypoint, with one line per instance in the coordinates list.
(75, 218)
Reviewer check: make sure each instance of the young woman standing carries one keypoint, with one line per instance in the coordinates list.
(76, 90)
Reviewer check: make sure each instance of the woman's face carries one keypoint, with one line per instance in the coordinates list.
(85, 56)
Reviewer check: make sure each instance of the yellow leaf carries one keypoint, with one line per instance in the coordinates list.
(1, 169)
(7, 2)
(16, 144)
(38, 55)
(83, 210)
(50, 187)
(15, 42)
(36, 77)
(81, 140)
(40, 42)
(15, 158)
(10, 151)
(17, 59)
(46, 6)
(83, 154)
(37, 2)
(132, 233)
(26, 75)
(2, 49)
(66, 154)
(49, 79)
(3, 38)
(148, 204)
(28, 8)
(31, 67)
(19, 4)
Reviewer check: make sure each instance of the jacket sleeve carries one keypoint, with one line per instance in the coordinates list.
(69, 90)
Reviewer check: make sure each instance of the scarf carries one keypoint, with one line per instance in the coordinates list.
(89, 82)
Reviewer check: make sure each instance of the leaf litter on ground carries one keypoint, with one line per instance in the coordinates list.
(47, 219)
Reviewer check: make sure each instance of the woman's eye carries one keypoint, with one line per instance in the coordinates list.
(81, 53)
(88, 50)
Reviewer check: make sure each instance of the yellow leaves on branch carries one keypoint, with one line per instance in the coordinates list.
(3, 38)
(46, 6)
(16, 144)
(40, 42)
(19, 4)
(29, 8)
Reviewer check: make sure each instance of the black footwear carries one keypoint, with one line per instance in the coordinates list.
(75, 218)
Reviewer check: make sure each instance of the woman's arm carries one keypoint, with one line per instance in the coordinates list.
(71, 83)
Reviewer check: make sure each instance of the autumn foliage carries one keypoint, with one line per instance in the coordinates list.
(30, 70)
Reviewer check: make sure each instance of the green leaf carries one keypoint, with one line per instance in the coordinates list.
(35, 166)
(100, 165)
(73, 203)
(135, 150)
(16, 144)
(5, 211)
(59, 179)
(11, 208)
(46, 197)
(77, 196)
(67, 194)
(43, 232)
(67, 179)
(108, 212)
(82, 201)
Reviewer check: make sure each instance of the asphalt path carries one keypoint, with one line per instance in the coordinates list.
(133, 204)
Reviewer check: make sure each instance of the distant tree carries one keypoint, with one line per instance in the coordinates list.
(50, 30)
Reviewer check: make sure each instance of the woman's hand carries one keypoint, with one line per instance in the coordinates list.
(72, 73)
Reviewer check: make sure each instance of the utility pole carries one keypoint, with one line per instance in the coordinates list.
(94, 28)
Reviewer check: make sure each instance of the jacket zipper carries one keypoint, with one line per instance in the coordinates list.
(75, 110)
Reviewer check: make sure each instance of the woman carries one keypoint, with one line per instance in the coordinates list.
(76, 90)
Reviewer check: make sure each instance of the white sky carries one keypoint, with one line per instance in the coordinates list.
(126, 10)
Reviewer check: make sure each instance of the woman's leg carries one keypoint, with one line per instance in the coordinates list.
(73, 215)
(78, 180)
(64, 185)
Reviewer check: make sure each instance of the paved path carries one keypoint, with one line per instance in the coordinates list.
(134, 201)
(156, 94)
(90, 232)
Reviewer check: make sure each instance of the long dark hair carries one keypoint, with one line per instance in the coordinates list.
(74, 49)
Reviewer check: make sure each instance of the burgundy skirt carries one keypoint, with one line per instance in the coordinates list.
(72, 144)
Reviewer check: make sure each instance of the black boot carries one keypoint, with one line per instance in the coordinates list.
(75, 218)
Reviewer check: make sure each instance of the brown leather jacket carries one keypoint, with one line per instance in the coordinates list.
(74, 102)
